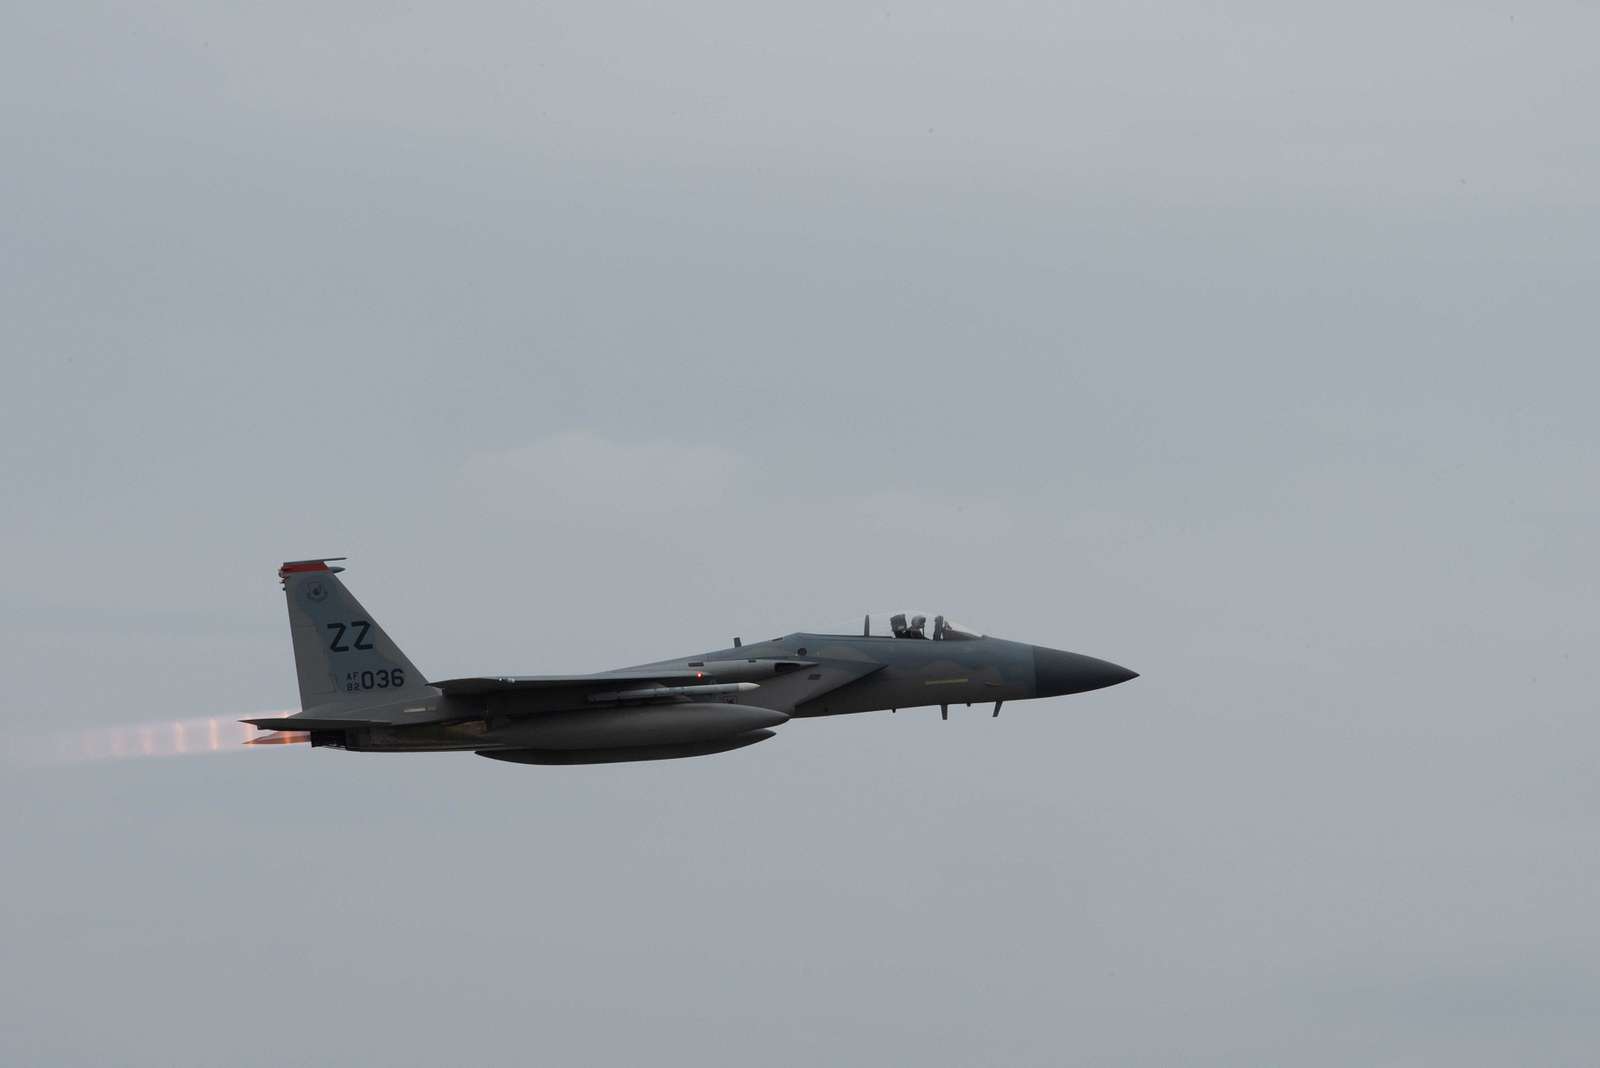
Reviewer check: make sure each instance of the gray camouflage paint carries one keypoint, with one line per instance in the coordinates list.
(359, 692)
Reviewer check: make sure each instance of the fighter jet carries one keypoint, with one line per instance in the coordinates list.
(359, 692)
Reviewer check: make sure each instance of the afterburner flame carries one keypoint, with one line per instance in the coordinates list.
(180, 737)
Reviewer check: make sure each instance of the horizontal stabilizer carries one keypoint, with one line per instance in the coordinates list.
(305, 723)
(281, 738)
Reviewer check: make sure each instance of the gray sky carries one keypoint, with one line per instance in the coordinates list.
(1250, 347)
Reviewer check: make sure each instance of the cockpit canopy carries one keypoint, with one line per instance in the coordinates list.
(913, 626)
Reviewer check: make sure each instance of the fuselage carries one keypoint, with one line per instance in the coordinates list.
(867, 674)
(359, 691)
(801, 675)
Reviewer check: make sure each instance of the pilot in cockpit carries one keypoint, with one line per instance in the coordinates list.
(897, 624)
(915, 626)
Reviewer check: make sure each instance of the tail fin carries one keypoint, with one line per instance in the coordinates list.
(344, 659)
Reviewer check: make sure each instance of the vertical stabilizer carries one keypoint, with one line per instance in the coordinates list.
(344, 659)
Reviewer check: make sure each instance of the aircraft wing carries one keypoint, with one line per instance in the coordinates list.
(475, 687)
(719, 677)
(491, 684)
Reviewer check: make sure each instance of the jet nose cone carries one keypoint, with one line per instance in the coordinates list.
(1058, 672)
